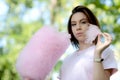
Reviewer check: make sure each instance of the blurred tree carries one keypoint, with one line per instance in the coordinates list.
(15, 31)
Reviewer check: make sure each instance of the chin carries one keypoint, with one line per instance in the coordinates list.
(81, 40)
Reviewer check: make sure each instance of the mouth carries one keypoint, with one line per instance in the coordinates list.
(79, 34)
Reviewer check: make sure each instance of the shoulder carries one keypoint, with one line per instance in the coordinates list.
(109, 49)
(68, 59)
(109, 62)
(107, 52)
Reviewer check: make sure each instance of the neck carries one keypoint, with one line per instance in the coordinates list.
(84, 45)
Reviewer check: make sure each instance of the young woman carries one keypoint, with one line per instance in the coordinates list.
(91, 61)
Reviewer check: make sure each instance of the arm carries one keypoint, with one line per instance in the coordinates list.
(99, 72)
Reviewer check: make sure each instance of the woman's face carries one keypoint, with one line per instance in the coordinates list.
(79, 25)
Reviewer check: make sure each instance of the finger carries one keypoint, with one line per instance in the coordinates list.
(108, 37)
(104, 37)
(99, 37)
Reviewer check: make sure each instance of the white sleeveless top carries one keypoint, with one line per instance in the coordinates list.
(79, 65)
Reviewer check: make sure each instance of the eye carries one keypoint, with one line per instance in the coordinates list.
(84, 22)
(73, 24)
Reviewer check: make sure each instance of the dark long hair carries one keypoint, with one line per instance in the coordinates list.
(91, 18)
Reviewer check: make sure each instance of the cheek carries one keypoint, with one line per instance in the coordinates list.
(86, 28)
(73, 31)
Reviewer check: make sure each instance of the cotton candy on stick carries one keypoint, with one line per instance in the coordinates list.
(92, 33)
(41, 53)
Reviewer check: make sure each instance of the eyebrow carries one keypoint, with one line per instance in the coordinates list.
(81, 19)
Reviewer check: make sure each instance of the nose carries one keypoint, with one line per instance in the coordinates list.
(78, 27)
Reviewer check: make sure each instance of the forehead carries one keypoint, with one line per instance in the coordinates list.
(78, 16)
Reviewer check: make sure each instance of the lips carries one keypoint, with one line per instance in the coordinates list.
(79, 34)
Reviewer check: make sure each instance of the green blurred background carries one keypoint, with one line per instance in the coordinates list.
(20, 19)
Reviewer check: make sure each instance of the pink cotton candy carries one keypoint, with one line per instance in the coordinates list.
(92, 33)
(41, 53)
